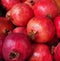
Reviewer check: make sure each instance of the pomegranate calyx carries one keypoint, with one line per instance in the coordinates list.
(32, 2)
(32, 34)
(6, 31)
(13, 55)
(8, 17)
(49, 16)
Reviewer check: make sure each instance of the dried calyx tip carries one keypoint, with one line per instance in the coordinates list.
(14, 55)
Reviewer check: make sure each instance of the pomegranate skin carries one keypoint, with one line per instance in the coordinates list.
(45, 8)
(16, 47)
(20, 30)
(8, 4)
(56, 52)
(57, 25)
(40, 30)
(21, 13)
(41, 53)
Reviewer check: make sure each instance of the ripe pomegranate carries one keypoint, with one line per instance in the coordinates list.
(45, 8)
(56, 52)
(8, 4)
(21, 13)
(16, 47)
(57, 25)
(20, 30)
(41, 53)
(40, 29)
(5, 26)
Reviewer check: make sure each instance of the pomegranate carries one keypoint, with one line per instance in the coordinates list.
(41, 53)
(21, 13)
(5, 26)
(57, 25)
(16, 47)
(45, 8)
(8, 4)
(56, 52)
(20, 30)
(40, 29)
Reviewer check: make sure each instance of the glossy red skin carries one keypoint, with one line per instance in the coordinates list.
(5, 25)
(43, 27)
(8, 4)
(21, 13)
(19, 43)
(20, 30)
(41, 53)
(57, 25)
(56, 52)
(45, 8)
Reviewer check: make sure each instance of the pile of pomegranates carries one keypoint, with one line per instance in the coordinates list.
(29, 30)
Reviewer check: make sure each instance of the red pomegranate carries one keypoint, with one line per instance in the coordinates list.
(40, 29)
(41, 53)
(21, 13)
(16, 47)
(45, 8)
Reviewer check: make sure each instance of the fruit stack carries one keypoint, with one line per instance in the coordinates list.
(29, 30)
